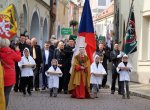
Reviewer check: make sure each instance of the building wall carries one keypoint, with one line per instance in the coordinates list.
(140, 59)
(62, 18)
(32, 17)
(102, 24)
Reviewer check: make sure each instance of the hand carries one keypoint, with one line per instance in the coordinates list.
(59, 65)
(17, 48)
(82, 67)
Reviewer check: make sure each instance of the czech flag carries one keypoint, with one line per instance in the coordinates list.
(86, 31)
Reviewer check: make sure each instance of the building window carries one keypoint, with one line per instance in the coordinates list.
(101, 2)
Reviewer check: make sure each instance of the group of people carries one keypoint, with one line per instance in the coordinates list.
(60, 70)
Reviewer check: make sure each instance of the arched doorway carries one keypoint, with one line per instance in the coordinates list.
(35, 27)
(45, 31)
(25, 17)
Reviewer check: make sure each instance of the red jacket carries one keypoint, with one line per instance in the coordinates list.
(8, 58)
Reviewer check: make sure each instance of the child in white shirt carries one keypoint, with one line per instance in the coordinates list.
(53, 74)
(97, 72)
(124, 68)
(27, 64)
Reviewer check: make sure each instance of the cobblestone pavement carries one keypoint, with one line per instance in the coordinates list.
(106, 101)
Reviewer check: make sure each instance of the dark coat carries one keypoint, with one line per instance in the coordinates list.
(106, 57)
(38, 59)
(69, 55)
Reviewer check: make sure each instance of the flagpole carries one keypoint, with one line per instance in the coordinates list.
(129, 14)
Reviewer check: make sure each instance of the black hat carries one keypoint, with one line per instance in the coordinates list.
(22, 34)
(71, 37)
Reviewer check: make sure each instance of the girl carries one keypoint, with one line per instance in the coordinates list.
(27, 64)
(97, 72)
(53, 74)
(124, 68)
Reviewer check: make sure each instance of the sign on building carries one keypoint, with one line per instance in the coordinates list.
(66, 31)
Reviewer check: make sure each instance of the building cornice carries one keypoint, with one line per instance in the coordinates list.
(44, 4)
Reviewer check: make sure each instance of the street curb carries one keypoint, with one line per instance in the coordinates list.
(138, 94)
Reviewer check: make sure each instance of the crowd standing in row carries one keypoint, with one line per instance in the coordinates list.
(54, 62)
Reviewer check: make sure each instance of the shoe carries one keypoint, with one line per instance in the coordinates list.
(65, 92)
(123, 97)
(112, 92)
(128, 97)
(37, 89)
(55, 95)
(44, 88)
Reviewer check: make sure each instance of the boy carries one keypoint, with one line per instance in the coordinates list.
(53, 74)
(97, 72)
(124, 68)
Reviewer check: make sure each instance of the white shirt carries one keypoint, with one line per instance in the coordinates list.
(98, 70)
(28, 71)
(124, 75)
(46, 56)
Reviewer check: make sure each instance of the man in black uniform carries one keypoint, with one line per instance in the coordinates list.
(116, 59)
(69, 54)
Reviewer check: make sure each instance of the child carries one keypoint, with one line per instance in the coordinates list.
(97, 72)
(124, 68)
(53, 74)
(27, 64)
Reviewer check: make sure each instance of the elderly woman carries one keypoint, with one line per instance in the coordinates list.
(60, 55)
(2, 98)
(8, 58)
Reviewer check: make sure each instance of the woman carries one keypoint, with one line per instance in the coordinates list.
(2, 98)
(59, 54)
(8, 58)
(79, 84)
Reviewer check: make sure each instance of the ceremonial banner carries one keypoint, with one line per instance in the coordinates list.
(130, 43)
(8, 24)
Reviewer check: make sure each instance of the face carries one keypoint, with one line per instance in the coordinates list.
(82, 51)
(22, 38)
(28, 41)
(125, 59)
(71, 43)
(46, 46)
(54, 62)
(101, 46)
(62, 46)
(26, 53)
(116, 47)
(97, 59)
(33, 41)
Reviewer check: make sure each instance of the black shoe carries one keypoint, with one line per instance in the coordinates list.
(51, 94)
(37, 89)
(128, 97)
(123, 97)
(112, 92)
(44, 88)
(65, 92)
(16, 90)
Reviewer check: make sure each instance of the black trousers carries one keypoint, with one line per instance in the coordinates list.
(104, 81)
(7, 90)
(18, 80)
(44, 77)
(36, 77)
(115, 76)
(126, 84)
(66, 79)
(27, 82)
